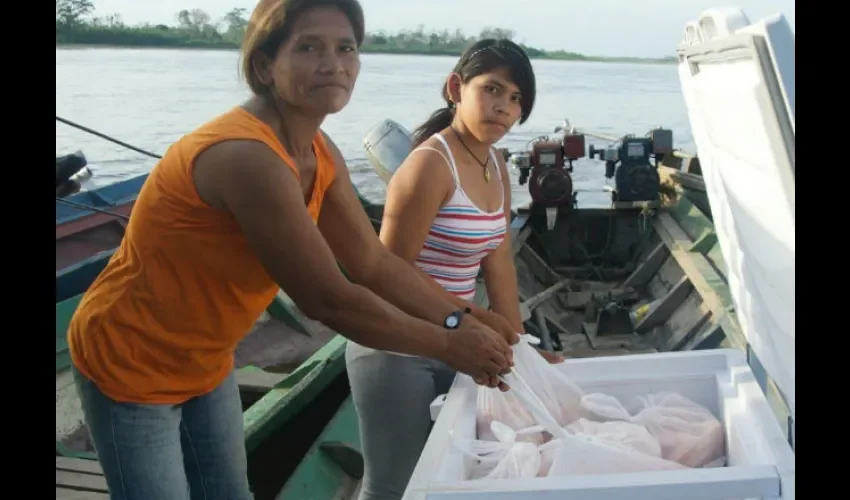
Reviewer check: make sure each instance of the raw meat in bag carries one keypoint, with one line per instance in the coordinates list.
(506, 458)
(559, 394)
(495, 406)
(634, 436)
(688, 433)
(589, 454)
(576, 452)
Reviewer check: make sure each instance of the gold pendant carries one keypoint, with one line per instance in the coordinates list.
(486, 174)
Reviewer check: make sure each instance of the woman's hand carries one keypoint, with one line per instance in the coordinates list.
(551, 357)
(499, 324)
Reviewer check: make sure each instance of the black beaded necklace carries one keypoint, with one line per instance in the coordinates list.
(484, 164)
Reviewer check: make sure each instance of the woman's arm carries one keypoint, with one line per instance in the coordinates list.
(250, 181)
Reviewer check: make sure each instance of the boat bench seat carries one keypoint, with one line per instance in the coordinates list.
(79, 479)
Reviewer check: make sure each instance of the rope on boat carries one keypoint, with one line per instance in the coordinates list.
(80, 206)
(108, 138)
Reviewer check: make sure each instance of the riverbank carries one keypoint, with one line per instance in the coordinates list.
(165, 37)
(364, 50)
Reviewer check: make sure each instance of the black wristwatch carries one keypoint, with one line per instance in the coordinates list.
(452, 321)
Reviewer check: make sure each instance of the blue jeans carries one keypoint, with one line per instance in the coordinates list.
(191, 451)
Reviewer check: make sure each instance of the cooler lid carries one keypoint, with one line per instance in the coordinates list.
(738, 83)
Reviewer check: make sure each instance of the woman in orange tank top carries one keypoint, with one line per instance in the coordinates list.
(255, 200)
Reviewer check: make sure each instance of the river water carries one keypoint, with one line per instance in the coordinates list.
(151, 97)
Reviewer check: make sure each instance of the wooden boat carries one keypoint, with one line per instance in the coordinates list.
(639, 278)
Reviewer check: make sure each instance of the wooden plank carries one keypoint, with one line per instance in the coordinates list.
(255, 379)
(527, 306)
(69, 494)
(650, 266)
(710, 285)
(78, 465)
(294, 392)
(581, 299)
(666, 307)
(80, 481)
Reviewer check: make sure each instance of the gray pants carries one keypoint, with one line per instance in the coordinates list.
(391, 394)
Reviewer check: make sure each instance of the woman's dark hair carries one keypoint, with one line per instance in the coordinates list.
(485, 56)
(271, 24)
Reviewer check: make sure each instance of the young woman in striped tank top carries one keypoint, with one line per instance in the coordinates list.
(447, 213)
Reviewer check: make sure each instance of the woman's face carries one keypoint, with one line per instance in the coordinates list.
(490, 104)
(316, 68)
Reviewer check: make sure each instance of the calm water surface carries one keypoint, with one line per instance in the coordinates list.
(151, 97)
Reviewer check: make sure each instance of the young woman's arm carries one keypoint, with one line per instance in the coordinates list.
(498, 267)
(500, 273)
(250, 181)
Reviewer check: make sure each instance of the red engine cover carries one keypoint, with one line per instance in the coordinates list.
(574, 146)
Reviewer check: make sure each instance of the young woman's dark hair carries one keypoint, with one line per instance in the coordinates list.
(485, 56)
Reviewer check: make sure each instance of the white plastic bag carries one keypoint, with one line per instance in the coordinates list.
(687, 432)
(507, 458)
(588, 454)
(495, 406)
(558, 394)
(632, 435)
(580, 453)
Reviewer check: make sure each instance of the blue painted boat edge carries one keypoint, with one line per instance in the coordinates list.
(76, 278)
(104, 197)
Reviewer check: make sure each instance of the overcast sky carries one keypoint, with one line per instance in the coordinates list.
(637, 28)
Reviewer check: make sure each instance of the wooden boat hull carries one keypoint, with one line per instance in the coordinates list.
(80, 233)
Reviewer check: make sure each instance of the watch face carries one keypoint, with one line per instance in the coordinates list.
(451, 321)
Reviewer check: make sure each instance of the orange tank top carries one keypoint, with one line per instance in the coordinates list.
(160, 324)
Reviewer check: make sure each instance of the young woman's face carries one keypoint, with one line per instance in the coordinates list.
(318, 65)
(489, 105)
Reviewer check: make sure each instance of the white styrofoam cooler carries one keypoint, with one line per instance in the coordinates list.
(761, 463)
(739, 87)
(739, 96)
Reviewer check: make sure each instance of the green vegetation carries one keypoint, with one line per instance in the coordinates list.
(196, 29)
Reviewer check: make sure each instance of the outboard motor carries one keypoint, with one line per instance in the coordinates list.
(633, 163)
(68, 165)
(387, 145)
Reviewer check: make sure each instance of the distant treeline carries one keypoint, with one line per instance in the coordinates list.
(196, 29)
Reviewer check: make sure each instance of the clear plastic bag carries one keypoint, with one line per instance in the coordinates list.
(589, 454)
(560, 396)
(687, 432)
(578, 452)
(495, 406)
(632, 435)
(506, 458)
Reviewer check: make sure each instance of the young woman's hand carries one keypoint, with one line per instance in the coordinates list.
(551, 357)
(499, 324)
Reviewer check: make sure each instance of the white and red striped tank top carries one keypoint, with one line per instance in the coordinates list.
(461, 235)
